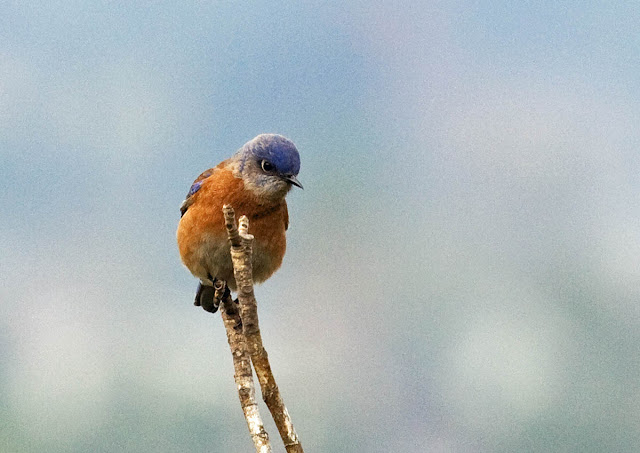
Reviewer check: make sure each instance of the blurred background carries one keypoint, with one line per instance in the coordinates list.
(463, 270)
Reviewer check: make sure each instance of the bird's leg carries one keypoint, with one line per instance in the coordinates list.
(223, 295)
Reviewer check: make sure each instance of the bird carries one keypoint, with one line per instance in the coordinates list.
(254, 182)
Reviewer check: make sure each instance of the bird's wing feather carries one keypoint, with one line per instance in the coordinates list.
(188, 201)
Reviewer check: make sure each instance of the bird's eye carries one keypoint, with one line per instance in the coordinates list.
(267, 166)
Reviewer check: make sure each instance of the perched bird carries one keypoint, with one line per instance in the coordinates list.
(254, 181)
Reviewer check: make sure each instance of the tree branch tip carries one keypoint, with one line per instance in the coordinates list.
(243, 225)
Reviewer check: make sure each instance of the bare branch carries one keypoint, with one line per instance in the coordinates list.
(243, 374)
(241, 252)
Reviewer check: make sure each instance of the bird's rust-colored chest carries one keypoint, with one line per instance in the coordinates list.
(268, 219)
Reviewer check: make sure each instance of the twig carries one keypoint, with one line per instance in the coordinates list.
(241, 252)
(243, 374)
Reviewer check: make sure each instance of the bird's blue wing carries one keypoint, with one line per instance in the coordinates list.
(194, 188)
(188, 201)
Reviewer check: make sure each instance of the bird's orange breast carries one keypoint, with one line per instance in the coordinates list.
(202, 237)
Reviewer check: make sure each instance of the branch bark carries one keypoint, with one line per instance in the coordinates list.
(243, 374)
(241, 252)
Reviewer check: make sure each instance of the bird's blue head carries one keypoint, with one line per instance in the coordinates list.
(269, 165)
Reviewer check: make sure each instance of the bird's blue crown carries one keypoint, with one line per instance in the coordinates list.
(276, 149)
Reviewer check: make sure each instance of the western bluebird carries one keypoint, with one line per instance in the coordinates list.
(254, 181)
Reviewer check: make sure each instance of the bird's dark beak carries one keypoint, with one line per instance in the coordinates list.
(293, 180)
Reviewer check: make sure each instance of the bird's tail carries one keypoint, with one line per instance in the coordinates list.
(205, 297)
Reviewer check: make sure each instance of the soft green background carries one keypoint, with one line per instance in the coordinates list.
(463, 270)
